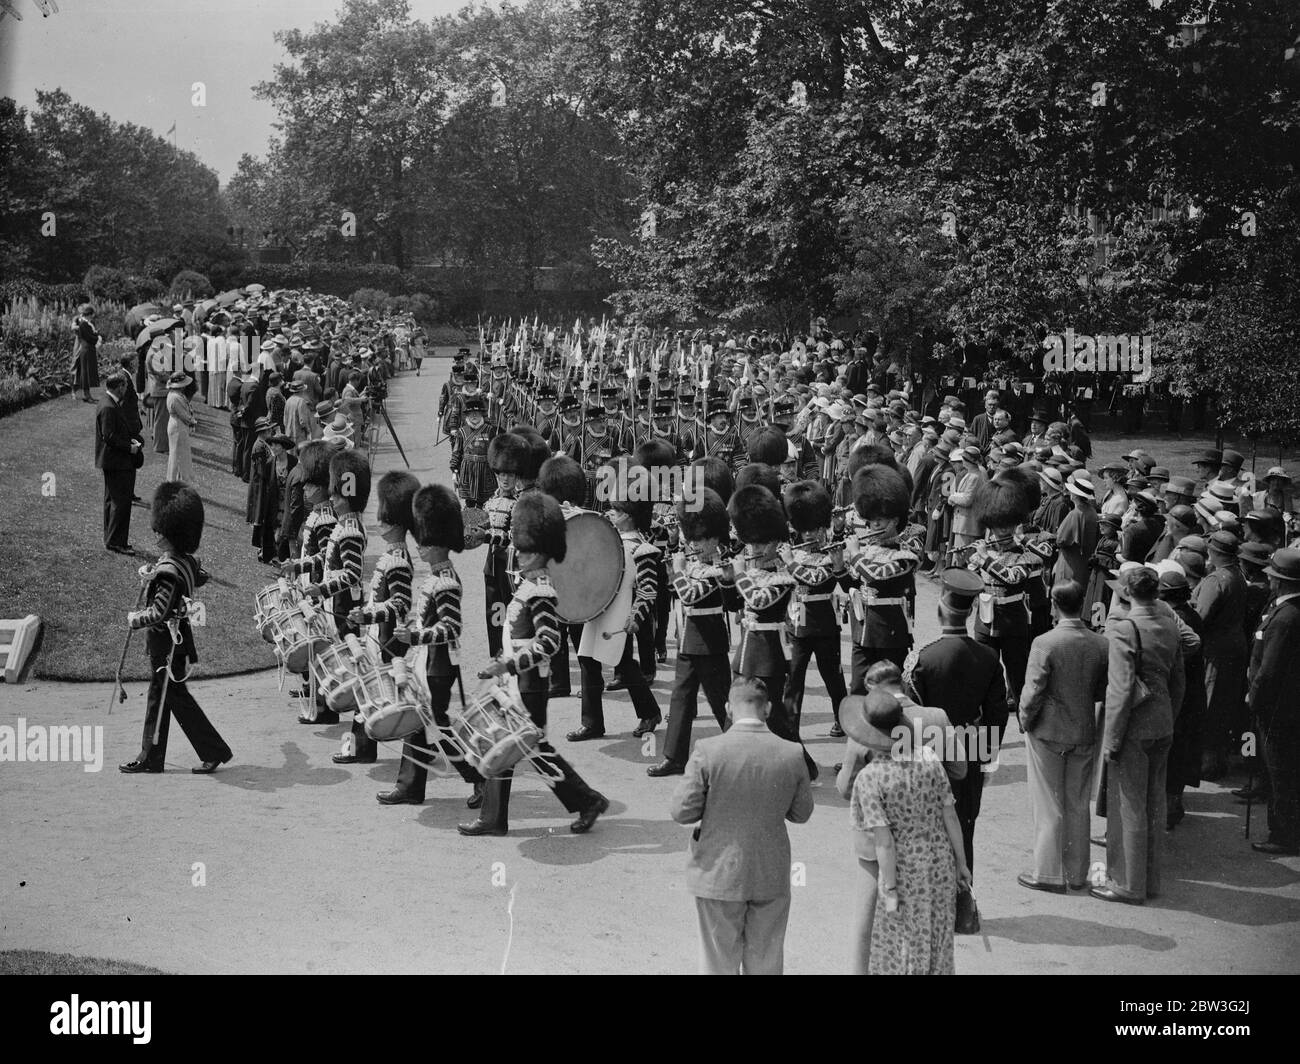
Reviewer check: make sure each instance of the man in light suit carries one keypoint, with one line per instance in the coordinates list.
(741, 787)
(1136, 740)
(1064, 681)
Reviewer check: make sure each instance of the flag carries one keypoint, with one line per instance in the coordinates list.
(170, 131)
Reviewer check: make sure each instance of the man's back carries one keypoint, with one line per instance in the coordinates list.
(1064, 680)
(962, 677)
(112, 440)
(742, 786)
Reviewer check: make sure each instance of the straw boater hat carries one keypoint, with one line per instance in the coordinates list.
(338, 429)
(179, 379)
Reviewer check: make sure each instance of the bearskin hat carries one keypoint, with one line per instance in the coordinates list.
(655, 454)
(809, 506)
(765, 475)
(314, 461)
(396, 489)
(717, 475)
(537, 526)
(562, 479)
(538, 451)
(709, 521)
(769, 446)
(508, 453)
(870, 454)
(436, 517)
(178, 515)
(350, 478)
(1006, 500)
(879, 491)
(757, 515)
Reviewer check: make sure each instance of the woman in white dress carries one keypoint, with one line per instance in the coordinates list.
(180, 420)
(214, 353)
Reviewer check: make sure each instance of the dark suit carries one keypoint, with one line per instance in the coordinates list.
(964, 679)
(113, 455)
(1274, 680)
(1064, 681)
(1136, 741)
(1220, 599)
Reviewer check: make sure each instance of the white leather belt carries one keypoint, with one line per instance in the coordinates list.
(815, 598)
(1001, 600)
(871, 601)
(763, 626)
(704, 611)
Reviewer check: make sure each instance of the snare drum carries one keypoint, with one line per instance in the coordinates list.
(298, 633)
(337, 668)
(388, 703)
(272, 600)
(495, 733)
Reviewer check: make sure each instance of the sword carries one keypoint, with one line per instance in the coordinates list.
(383, 409)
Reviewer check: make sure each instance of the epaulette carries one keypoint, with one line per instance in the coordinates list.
(442, 580)
(645, 550)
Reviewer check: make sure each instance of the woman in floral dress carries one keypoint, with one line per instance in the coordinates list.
(905, 800)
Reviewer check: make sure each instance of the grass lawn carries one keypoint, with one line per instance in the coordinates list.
(53, 562)
(36, 962)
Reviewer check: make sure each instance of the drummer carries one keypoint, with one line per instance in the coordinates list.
(561, 478)
(532, 636)
(435, 628)
(341, 580)
(314, 465)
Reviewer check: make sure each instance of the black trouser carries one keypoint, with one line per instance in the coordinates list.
(593, 689)
(171, 697)
(864, 657)
(570, 788)
(497, 595)
(119, 486)
(645, 638)
(236, 446)
(569, 633)
(1282, 755)
(966, 796)
(412, 774)
(1012, 644)
(663, 607)
(247, 437)
(826, 648)
(779, 721)
(713, 673)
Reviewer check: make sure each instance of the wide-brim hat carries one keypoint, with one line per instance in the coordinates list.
(1279, 472)
(263, 423)
(287, 442)
(297, 386)
(853, 719)
(340, 426)
(1179, 486)
(1081, 488)
(179, 380)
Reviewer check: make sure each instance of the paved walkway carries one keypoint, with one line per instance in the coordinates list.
(283, 862)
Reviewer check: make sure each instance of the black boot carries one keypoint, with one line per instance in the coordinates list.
(495, 815)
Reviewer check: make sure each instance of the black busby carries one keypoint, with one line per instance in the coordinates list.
(178, 515)
(436, 518)
(879, 491)
(765, 475)
(757, 515)
(871, 454)
(562, 479)
(350, 478)
(537, 526)
(809, 506)
(1006, 500)
(656, 454)
(641, 511)
(709, 520)
(508, 453)
(314, 461)
(769, 446)
(717, 475)
(396, 489)
(538, 450)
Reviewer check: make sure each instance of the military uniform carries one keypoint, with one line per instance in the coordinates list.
(881, 582)
(814, 630)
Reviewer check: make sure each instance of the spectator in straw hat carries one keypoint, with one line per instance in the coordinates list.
(180, 423)
(1184, 766)
(1180, 521)
(1076, 536)
(1277, 494)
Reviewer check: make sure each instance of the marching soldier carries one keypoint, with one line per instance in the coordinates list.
(435, 628)
(1008, 565)
(595, 447)
(178, 520)
(469, 452)
(814, 629)
(533, 636)
(881, 577)
(705, 595)
(719, 440)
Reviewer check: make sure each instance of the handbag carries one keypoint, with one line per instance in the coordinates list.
(968, 913)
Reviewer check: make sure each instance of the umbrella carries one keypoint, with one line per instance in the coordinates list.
(134, 320)
(232, 296)
(203, 309)
(254, 289)
(157, 328)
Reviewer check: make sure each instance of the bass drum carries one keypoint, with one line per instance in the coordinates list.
(588, 579)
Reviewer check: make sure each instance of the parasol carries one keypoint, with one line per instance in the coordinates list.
(134, 319)
(157, 328)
